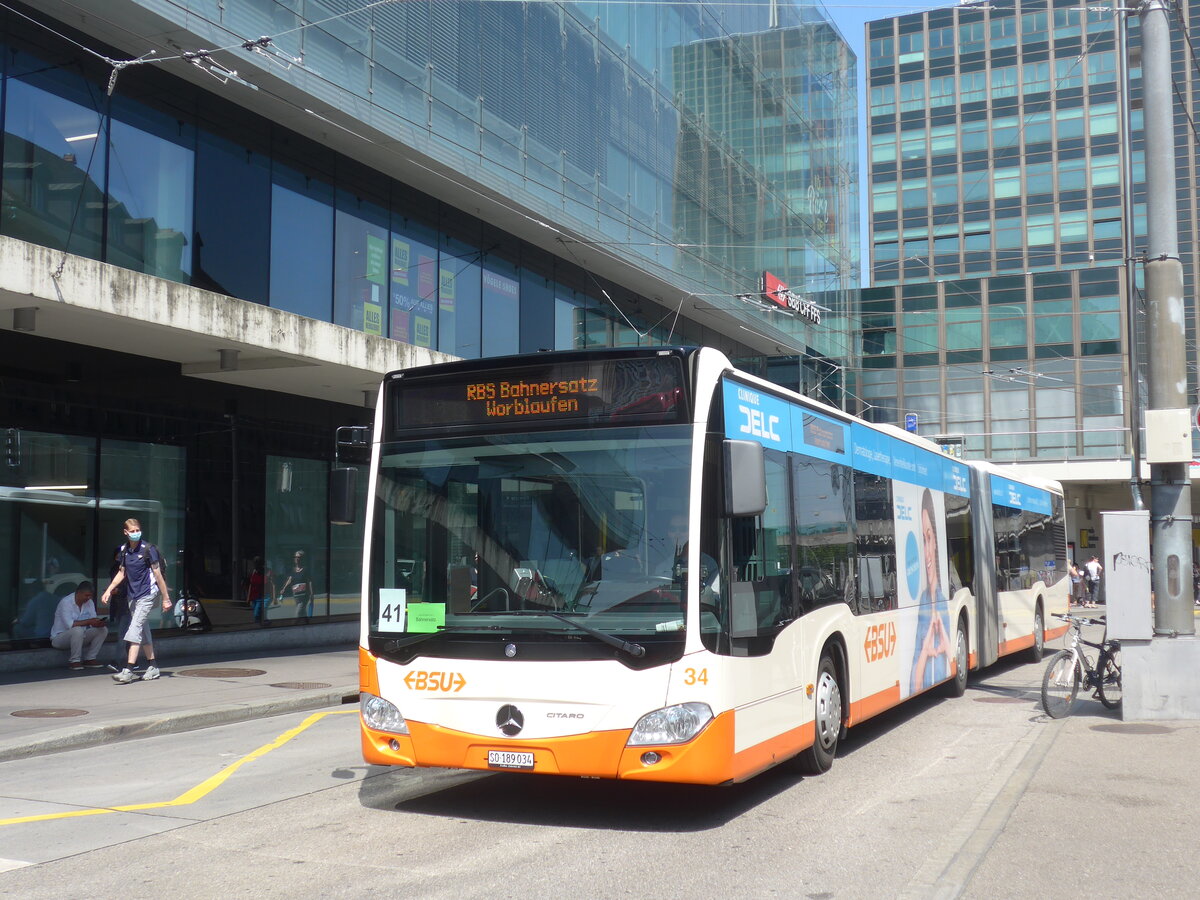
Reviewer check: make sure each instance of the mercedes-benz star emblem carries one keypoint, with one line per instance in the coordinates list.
(510, 650)
(510, 720)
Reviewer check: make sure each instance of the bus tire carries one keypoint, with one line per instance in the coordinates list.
(957, 685)
(1038, 650)
(827, 718)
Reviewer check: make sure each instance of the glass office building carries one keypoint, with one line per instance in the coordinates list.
(453, 179)
(997, 252)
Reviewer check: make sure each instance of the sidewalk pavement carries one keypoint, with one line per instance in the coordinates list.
(50, 711)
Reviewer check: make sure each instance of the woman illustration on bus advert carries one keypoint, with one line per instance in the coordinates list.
(931, 656)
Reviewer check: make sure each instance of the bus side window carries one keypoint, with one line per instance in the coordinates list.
(762, 556)
(876, 543)
(824, 504)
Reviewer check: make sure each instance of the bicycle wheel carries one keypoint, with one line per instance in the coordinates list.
(1110, 680)
(1060, 685)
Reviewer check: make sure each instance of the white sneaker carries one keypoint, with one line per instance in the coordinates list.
(124, 676)
(151, 673)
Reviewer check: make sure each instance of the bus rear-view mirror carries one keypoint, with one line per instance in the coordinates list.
(343, 496)
(745, 478)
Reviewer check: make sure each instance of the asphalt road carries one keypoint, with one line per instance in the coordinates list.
(916, 805)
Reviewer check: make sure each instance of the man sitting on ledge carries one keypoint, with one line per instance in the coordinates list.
(77, 629)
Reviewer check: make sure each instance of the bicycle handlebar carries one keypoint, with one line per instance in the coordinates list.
(1082, 620)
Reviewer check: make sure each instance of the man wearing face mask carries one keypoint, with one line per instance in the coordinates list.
(141, 569)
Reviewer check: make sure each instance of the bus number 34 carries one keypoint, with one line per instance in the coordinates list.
(447, 682)
(880, 642)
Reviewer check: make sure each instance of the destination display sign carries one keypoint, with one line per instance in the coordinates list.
(648, 390)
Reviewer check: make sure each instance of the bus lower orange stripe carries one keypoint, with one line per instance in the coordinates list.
(1016, 644)
(874, 704)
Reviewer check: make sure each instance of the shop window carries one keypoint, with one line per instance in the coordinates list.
(295, 541)
(47, 524)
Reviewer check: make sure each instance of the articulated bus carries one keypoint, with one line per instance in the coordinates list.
(645, 564)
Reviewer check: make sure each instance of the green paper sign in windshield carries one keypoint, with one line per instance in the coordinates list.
(426, 618)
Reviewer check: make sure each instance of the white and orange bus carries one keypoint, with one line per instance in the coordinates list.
(645, 564)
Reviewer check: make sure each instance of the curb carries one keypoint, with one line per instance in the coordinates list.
(174, 723)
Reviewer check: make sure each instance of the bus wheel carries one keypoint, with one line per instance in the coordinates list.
(958, 684)
(828, 719)
(1039, 636)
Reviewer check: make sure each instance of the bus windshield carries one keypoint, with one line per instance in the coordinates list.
(531, 535)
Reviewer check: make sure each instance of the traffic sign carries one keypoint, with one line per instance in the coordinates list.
(910, 422)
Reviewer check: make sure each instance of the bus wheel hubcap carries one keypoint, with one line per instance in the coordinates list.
(829, 709)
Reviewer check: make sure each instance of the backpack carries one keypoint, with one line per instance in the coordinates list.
(152, 552)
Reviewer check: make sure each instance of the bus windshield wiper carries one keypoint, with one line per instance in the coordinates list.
(636, 650)
(394, 644)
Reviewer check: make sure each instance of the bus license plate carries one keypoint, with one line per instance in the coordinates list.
(507, 759)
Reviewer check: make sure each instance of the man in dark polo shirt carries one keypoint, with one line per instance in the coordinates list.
(141, 570)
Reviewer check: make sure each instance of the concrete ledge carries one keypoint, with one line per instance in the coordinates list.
(75, 738)
(171, 647)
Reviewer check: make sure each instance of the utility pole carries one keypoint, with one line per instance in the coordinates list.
(1160, 664)
(1169, 408)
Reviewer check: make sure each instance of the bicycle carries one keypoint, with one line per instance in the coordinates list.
(1072, 666)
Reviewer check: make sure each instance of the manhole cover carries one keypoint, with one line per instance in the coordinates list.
(1134, 728)
(49, 713)
(998, 699)
(222, 673)
(301, 685)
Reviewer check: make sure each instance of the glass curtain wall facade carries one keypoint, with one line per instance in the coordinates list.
(180, 185)
(703, 142)
(997, 245)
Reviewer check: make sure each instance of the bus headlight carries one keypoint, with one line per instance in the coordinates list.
(671, 725)
(380, 715)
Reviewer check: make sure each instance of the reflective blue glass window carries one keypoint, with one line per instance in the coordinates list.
(568, 318)
(413, 280)
(54, 162)
(232, 242)
(537, 307)
(301, 244)
(150, 183)
(501, 307)
(360, 264)
(459, 289)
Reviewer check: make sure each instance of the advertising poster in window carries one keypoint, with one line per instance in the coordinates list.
(376, 276)
(413, 268)
(925, 648)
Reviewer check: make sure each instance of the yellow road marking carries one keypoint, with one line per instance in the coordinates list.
(199, 791)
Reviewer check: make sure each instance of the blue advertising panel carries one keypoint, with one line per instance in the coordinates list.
(754, 415)
(751, 415)
(820, 436)
(956, 478)
(872, 452)
(1020, 496)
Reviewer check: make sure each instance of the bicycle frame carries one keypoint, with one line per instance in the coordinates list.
(1061, 682)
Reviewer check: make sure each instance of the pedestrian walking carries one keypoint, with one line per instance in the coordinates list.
(300, 584)
(260, 591)
(1094, 571)
(141, 571)
(118, 607)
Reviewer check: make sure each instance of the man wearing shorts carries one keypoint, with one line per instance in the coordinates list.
(140, 568)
